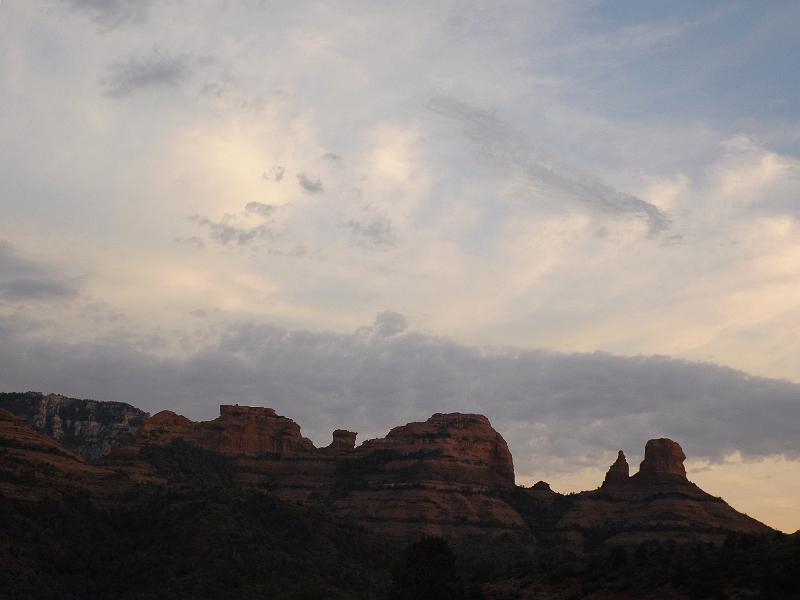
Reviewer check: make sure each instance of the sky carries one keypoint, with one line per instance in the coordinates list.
(581, 219)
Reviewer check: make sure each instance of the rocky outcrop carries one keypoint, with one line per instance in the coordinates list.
(239, 430)
(445, 476)
(34, 466)
(662, 457)
(89, 428)
(657, 503)
(466, 440)
(451, 475)
(343, 440)
(618, 473)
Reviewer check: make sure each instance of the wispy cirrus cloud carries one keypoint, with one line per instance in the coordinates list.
(507, 148)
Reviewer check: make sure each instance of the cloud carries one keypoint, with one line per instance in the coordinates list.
(113, 13)
(227, 233)
(22, 279)
(312, 186)
(260, 208)
(559, 412)
(136, 73)
(194, 240)
(332, 158)
(276, 174)
(389, 323)
(376, 234)
(510, 149)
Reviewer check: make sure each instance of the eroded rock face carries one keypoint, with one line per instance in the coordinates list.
(343, 440)
(618, 473)
(89, 428)
(467, 439)
(444, 476)
(239, 430)
(34, 466)
(663, 456)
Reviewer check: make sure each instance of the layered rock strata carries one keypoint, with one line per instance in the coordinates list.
(446, 475)
(34, 466)
(89, 428)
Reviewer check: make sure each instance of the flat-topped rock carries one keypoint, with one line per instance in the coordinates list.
(239, 430)
(343, 440)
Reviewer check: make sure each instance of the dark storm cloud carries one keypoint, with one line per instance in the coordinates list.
(112, 13)
(125, 77)
(508, 148)
(374, 234)
(312, 186)
(22, 279)
(558, 411)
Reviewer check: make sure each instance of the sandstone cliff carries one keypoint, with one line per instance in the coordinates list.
(87, 427)
(446, 475)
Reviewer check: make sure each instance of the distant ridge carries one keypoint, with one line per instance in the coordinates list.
(451, 475)
(90, 428)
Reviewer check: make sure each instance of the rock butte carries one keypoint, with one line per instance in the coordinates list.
(450, 475)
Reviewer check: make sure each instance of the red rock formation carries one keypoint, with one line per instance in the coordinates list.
(343, 440)
(239, 430)
(658, 503)
(451, 475)
(663, 457)
(466, 439)
(618, 473)
(443, 476)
